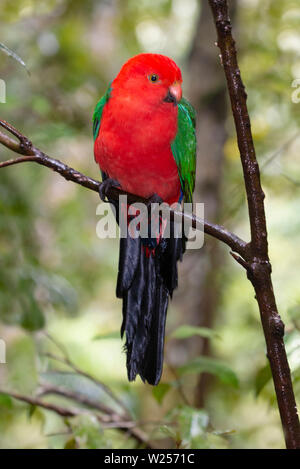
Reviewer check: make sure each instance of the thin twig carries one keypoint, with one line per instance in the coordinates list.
(241, 261)
(119, 423)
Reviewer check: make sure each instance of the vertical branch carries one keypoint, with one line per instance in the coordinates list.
(259, 272)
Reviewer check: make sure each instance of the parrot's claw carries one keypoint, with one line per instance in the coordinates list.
(105, 186)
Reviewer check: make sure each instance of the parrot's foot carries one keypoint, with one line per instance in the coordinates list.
(105, 186)
(154, 199)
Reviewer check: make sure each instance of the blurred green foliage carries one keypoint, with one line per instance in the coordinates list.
(56, 275)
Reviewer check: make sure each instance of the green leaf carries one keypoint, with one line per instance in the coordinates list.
(262, 377)
(13, 55)
(212, 366)
(108, 335)
(160, 391)
(186, 331)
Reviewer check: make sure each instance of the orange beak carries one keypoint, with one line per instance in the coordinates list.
(176, 91)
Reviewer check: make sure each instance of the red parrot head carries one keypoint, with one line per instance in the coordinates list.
(149, 79)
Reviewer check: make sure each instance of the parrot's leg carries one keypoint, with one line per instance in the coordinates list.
(105, 186)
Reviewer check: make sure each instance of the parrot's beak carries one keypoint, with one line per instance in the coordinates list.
(174, 93)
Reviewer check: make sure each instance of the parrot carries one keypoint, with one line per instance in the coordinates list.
(145, 144)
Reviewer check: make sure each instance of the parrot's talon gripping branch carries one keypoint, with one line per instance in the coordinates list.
(105, 187)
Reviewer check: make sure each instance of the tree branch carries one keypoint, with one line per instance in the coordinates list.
(259, 272)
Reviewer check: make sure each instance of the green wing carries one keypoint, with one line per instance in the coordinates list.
(98, 112)
(184, 148)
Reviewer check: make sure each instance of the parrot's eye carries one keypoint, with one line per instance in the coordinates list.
(153, 78)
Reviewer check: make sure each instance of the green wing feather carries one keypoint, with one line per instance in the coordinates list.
(98, 112)
(184, 148)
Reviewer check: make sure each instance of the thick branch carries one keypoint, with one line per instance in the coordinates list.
(31, 153)
(260, 269)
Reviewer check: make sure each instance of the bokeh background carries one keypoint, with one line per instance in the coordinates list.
(57, 279)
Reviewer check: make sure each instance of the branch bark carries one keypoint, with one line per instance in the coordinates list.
(259, 272)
